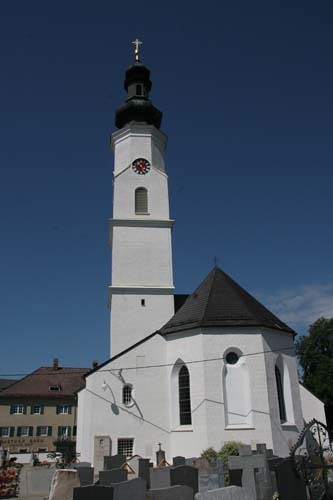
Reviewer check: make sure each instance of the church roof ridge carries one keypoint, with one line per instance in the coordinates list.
(220, 301)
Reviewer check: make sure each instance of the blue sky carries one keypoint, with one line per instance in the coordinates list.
(246, 91)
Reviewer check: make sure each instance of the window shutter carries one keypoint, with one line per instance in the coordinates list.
(31, 409)
(69, 431)
(141, 201)
(12, 432)
(0, 431)
(11, 409)
(38, 431)
(42, 409)
(24, 410)
(49, 430)
(74, 430)
(58, 409)
(31, 431)
(18, 431)
(69, 409)
(59, 431)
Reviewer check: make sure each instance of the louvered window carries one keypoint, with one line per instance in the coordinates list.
(141, 201)
(185, 416)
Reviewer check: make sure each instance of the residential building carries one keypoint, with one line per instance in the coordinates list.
(40, 408)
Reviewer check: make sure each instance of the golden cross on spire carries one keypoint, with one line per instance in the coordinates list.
(137, 44)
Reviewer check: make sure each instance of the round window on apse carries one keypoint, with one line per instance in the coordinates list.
(232, 358)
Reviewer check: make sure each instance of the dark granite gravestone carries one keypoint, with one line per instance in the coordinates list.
(178, 461)
(185, 475)
(128, 490)
(107, 477)
(290, 486)
(180, 492)
(114, 462)
(160, 478)
(144, 470)
(95, 492)
(160, 456)
(86, 474)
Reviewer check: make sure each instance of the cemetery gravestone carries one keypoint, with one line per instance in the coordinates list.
(144, 470)
(160, 456)
(290, 486)
(228, 493)
(102, 448)
(265, 484)
(107, 477)
(178, 461)
(63, 483)
(160, 478)
(128, 490)
(247, 463)
(114, 462)
(185, 475)
(180, 492)
(86, 475)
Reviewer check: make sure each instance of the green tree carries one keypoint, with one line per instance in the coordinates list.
(315, 354)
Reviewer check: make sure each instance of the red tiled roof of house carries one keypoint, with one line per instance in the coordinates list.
(40, 382)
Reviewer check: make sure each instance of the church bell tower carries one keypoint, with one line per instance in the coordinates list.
(141, 291)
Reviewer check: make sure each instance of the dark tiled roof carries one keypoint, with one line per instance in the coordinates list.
(220, 301)
(38, 383)
(5, 382)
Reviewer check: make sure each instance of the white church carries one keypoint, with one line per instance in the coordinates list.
(187, 372)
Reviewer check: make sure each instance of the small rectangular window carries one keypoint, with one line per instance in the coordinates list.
(143, 302)
(43, 430)
(125, 447)
(63, 409)
(18, 409)
(24, 431)
(37, 410)
(5, 432)
(54, 388)
(42, 450)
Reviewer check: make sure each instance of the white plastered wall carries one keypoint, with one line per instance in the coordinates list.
(312, 406)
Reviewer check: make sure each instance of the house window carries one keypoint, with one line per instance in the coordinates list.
(279, 387)
(24, 431)
(43, 430)
(141, 201)
(54, 388)
(143, 302)
(64, 409)
(4, 432)
(185, 416)
(24, 450)
(37, 410)
(18, 409)
(64, 431)
(127, 395)
(125, 447)
(42, 450)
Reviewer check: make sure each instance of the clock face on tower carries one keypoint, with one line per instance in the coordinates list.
(141, 166)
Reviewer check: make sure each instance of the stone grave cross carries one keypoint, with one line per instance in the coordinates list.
(247, 463)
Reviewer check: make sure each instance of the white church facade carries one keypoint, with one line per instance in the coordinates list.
(220, 367)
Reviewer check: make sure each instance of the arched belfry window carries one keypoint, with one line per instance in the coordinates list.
(185, 416)
(141, 201)
(138, 90)
(279, 387)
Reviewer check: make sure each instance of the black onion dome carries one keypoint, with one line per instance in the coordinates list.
(138, 107)
(137, 72)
